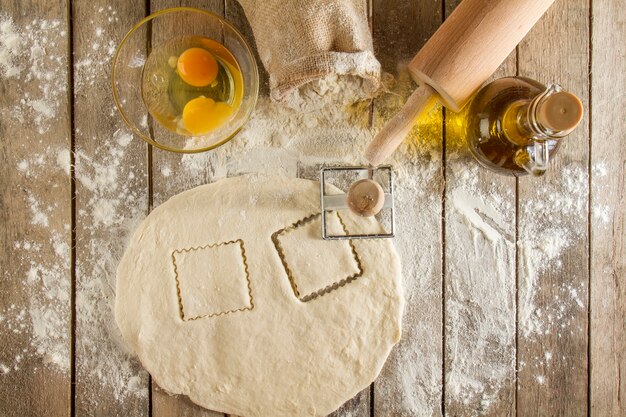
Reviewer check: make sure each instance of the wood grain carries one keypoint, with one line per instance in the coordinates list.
(553, 339)
(608, 217)
(30, 383)
(111, 177)
(410, 383)
(479, 325)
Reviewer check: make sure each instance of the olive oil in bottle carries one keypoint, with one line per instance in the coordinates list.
(514, 125)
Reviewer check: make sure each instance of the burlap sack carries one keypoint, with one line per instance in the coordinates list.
(303, 40)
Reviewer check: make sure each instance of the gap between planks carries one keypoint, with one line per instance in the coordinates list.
(589, 200)
(72, 140)
(516, 263)
(444, 190)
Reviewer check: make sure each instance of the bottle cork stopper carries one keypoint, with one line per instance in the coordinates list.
(560, 112)
(366, 198)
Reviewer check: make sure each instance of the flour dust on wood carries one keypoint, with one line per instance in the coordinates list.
(25, 58)
(36, 79)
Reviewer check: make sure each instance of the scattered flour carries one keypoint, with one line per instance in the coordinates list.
(479, 286)
(43, 318)
(22, 166)
(479, 213)
(63, 160)
(552, 221)
(24, 58)
(544, 239)
(39, 217)
(4, 369)
(600, 169)
(28, 62)
(601, 213)
(482, 268)
(111, 200)
(90, 69)
(10, 44)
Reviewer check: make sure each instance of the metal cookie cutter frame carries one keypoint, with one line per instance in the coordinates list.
(331, 202)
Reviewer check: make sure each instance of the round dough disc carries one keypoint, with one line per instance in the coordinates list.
(228, 294)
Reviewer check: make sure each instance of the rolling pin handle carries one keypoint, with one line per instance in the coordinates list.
(394, 132)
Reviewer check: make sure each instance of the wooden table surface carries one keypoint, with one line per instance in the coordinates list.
(579, 43)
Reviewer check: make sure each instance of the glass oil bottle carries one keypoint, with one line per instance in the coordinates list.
(515, 125)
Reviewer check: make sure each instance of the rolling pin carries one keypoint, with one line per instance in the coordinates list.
(462, 54)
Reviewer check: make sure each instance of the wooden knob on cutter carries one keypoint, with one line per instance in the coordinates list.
(366, 198)
(560, 112)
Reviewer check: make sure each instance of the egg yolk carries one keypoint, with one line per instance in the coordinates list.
(197, 67)
(202, 115)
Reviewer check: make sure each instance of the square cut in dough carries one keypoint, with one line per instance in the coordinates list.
(212, 280)
(315, 266)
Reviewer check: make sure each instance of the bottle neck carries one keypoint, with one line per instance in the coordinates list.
(522, 124)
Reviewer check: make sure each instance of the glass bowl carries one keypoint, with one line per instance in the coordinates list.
(157, 29)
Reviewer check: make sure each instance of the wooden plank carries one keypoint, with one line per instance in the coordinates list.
(608, 218)
(166, 185)
(35, 210)
(480, 287)
(110, 196)
(553, 232)
(410, 383)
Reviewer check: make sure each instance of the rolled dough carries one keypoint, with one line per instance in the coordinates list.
(206, 298)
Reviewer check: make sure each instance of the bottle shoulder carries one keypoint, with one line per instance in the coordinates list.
(505, 91)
